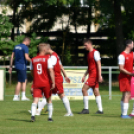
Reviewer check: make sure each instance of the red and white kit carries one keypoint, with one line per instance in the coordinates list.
(125, 59)
(58, 77)
(38, 55)
(41, 78)
(92, 58)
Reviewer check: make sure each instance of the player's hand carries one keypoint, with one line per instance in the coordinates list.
(67, 79)
(53, 86)
(100, 79)
(83, 79)
(10, 70)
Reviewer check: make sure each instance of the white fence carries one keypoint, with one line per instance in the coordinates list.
(109, 68)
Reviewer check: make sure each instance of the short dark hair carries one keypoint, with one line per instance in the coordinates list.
(87, 41)
(26, 38)
(129, 41)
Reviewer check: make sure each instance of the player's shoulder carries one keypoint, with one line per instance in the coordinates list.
(96, 51)
(35, 57)
(54, 54)
(47, 56)
(121, 56)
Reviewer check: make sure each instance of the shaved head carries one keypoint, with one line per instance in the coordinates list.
(47, 45)
(41, 47)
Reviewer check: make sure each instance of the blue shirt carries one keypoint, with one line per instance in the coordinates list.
(20, 61)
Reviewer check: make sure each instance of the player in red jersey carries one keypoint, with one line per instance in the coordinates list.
(42, 101)
(42, 70)
(94, 72)
(125, 61)
(58, 68)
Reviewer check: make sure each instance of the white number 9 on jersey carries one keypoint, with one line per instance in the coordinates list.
(39, 69)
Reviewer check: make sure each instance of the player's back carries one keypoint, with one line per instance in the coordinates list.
(40, 71)
(128, 63)
(92, 67)
(57, 69)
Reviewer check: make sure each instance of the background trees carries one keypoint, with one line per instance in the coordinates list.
(113, 21)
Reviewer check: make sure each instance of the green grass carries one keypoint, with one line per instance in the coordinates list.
(14, 118)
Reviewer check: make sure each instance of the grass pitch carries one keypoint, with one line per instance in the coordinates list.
(15, 119)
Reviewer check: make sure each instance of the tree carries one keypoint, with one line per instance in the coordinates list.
(5, 28)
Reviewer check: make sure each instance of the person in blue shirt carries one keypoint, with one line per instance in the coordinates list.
(20, 52)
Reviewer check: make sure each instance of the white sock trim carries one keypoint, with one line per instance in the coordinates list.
(41, 104)
(99, 103)
(125, 108)
(33, 109)
(50, 110)
(16, 96)
(85, 101)
(66, 104)
(23, 94)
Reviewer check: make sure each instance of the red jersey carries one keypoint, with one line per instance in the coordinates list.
(92, 66)
(128, 64)
(57, 69)
(48, 55)
(40, 71)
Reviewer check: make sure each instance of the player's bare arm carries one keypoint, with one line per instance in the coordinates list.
(51, 72)
(121, 68)
(85, 74)
(100, 79)
(27, 57)
(64, 74)
(11, 63)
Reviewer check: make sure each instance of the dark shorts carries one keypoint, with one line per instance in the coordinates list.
(21, 75)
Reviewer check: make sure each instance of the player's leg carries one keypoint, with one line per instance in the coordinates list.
(41, 104)
(18, 86)
(59, 89)
(17, 92)
(85, 99)
(24, 98)
(98, 100)
(37, 93)
(33, 108)
(66, 104)
(47, 94)
(50, 109)
(24, 75)
(126, 98)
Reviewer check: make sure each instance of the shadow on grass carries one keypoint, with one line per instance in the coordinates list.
(23, 112)
(109, 115)
(19, 120)
(97, 115)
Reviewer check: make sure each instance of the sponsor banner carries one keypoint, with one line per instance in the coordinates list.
(74, 89)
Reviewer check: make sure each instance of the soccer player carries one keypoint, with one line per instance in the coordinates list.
(20, 52)
(42, 101)
(42, 70)
(94, 72)
(125, 61)
(58, 68)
